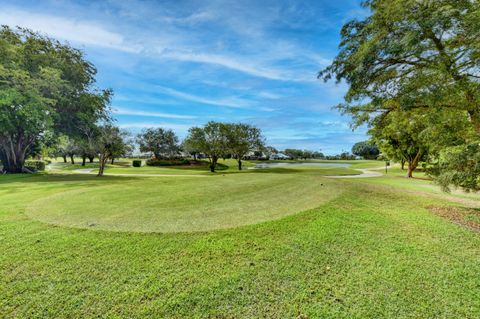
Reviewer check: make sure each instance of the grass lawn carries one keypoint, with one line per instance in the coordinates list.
(273, 244)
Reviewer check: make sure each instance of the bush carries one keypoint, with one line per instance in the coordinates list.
(35, 166)
(137, 163)
(157, 162)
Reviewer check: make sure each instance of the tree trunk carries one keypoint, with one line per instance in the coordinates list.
(102, 160)
(84, 158)
(90, 158)
(113, 160)
(403, 164)
(64, 158)
(72, 160)
(213, 163)
(13, 157)
(195, 157)
(413, 163)
(239, 164)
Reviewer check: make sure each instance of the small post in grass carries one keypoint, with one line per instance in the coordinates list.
(387, 164)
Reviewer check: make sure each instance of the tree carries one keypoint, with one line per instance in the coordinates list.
(458, 166)
(44, 86)
(293, 153)
(242, 139)
(211, 140)
(270, 151)
(411, 55)
(110, 142)
(399, 136)
(161, 142)
(365, 149)
(318, 155)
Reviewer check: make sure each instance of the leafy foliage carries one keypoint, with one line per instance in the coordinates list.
(161, 142)
(365, 149)
(44, 85)
(211, 140)
(412, 56)
(242, 139)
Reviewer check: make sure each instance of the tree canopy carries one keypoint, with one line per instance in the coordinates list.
(44, 86)
(242, 139)
(412, 57)
(211, 139)
(162, 143)
(365, 149)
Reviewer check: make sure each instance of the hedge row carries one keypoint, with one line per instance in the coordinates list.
(157, 162)
(35, 166)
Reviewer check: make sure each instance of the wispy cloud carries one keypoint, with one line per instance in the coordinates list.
(227, 102)
(125, 111)
(84, 32)
(178, 128)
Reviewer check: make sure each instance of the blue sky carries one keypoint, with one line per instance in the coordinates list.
(178, 64)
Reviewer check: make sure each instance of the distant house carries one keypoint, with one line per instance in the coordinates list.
(257, 155)
(279, 156)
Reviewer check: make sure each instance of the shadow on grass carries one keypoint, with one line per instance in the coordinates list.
(52, 178)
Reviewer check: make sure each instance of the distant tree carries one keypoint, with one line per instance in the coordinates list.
(44, 86)
(366, 149)
(318, 155)
(110, 142)
(163, 143)
(293, 153)
(190, 149)
(72, 149)
(211, 139)
(242, 139)
(270, 151)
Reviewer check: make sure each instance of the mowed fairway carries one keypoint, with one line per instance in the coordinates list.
(184, 204)
(260, 244)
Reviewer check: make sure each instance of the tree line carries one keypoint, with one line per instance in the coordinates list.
(413, 75)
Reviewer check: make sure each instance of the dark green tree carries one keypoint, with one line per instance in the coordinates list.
(162, 143)
(44, 86)
(365, 149)
(211, 139)
(242, 139)
(411, 55)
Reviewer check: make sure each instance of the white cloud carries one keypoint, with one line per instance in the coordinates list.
(83, 32)
(180, 129)
(237, 64)
(228, 102)
(124, 111)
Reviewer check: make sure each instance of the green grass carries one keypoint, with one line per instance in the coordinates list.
(182, 204)
(227, 166)
(349, 249)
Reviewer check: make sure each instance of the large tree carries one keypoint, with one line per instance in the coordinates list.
(44, 85)
(211, 139)
(411, 54)
(162, 143)
(242, 139)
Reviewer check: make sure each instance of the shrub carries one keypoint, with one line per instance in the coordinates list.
(35, 165)
(157, 162)
(137, 163)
